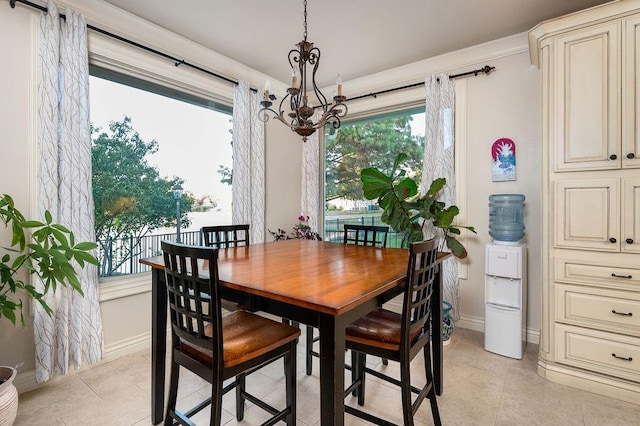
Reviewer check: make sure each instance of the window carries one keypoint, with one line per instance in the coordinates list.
(370, 142)
(146, 139)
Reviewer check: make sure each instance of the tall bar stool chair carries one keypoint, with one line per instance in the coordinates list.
(225, 236)
(399, 337)
(364, 235)
(218, 348)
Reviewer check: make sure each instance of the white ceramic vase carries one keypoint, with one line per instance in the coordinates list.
(8, 396)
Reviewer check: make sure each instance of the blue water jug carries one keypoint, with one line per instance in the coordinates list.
(506, 213)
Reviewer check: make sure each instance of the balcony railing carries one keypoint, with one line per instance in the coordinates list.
(334, 229)
(120, 256)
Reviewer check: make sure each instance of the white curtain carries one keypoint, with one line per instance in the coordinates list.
(74, 332)
(439, 162)
(310, 195)
(248, 189)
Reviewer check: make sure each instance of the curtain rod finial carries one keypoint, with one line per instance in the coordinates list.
(12, 3)
(487, 69)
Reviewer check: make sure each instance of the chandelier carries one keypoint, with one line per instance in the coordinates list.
(300, 115)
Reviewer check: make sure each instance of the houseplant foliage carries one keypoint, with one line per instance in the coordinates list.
(301, 231)
(49, 254)
(405, 212)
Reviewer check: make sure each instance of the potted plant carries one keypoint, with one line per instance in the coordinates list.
(301, 231)
(405, 212)
(49, 255)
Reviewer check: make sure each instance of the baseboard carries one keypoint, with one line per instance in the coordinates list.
(590, 381)
(477, 324)
(25, 381)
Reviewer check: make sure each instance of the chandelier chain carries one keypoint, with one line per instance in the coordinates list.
(305, 20)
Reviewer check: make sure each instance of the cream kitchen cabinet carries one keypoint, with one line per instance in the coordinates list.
(590, 72)
(598, 214)
(596, 106)
(587, 84)
(631, 93)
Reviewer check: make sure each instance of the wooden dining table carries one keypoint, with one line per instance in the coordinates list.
(323, 284)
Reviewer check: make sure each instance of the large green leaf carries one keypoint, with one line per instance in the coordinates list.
(445, 218)
(456, 247)
(406, 188)
(436, 186)
(375, 183)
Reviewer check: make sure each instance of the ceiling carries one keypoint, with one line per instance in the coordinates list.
(356, 37)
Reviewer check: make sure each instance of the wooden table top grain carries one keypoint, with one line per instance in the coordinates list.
(323, 276)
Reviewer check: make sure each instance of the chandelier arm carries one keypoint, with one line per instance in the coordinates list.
(314, 59)
(264, 116)
(339, 110)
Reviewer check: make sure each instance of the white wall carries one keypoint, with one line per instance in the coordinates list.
(504, 104)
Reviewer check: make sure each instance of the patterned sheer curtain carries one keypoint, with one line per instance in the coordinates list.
(248, 161)
(310, 195)
(74, 332)
(439, 162)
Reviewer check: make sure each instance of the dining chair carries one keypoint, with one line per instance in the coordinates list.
(399, 337)
(225, 236)
(218, 348)
(364, 235)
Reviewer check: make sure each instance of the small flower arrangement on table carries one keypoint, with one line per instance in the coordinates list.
(301, 231)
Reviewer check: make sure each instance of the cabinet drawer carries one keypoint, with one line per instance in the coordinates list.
(598, 351)
(609, 310)
(575, 272)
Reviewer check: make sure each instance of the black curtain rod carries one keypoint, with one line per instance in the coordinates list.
(177, 62)
(484, 70)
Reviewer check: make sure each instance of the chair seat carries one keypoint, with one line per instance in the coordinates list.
(245, 336)
(379, 328)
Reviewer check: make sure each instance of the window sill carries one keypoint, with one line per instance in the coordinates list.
(119, 287)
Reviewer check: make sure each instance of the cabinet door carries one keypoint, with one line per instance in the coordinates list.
(631, 216)
(586, 214)
(631, 94)
(588, 111)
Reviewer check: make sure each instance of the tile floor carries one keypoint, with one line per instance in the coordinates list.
(480, 388)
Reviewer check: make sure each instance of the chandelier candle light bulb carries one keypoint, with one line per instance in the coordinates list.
(267, 87)
(339, 84)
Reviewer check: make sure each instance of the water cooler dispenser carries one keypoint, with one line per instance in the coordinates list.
(505, 293)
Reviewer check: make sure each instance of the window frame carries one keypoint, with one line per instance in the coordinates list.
(369, 109)
(112, 55)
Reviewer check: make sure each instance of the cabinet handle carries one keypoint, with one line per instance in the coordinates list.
(622, 357)
(630, 155)
(625, 314)
(613, 157)
(628, 277)
(613, 240)
(629, 240)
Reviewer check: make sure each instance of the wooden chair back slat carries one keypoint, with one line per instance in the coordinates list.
(420, 280)
(192, 289)
(226, 236)
(366, 235)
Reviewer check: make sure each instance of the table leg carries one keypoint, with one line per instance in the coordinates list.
(436, 330)
(332, 347)
(158, 344)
